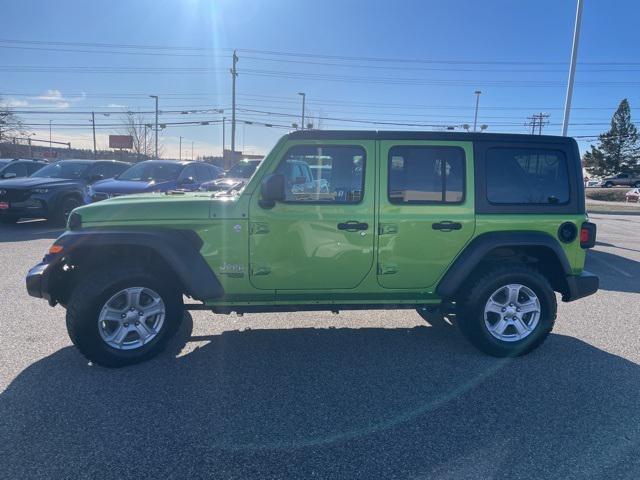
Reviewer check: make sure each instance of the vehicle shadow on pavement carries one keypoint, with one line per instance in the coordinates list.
(327, 403)
(617, 273)
(29, 230)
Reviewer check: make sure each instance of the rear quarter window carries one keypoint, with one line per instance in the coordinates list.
(527, 176)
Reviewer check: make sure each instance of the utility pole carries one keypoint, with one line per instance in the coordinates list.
(180, 154)
(304, 96)
(475, 118)
(538, 120)
(156, 97)
(50, 149)
(234, 74)
(93, 123)
(192, 151)
(224, 120)
(572, 68)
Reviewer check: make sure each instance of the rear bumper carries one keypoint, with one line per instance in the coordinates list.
(581, 286)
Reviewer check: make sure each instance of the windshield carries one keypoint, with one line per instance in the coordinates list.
(242, 169)
(151, 171)
(64, 170)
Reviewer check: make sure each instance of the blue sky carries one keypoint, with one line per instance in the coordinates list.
(338, 52)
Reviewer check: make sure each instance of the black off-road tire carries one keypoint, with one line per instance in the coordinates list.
(63, 210)
(608, 185)
(471, 309)
(88, 298)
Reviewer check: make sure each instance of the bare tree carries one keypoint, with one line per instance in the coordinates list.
(142, 134)
(10, 123)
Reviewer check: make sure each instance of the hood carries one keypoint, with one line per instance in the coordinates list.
(113, 185)
(32, 182)
(149, 208)
(223, 183)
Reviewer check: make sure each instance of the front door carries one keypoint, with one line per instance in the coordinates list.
(321, 237)
(426, 210)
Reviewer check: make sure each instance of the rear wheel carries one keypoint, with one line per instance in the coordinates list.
(508, 311)
(123, 315)
(608, 184)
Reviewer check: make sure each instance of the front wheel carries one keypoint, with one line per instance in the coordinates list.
(64, 209)
(123, 315)
(508, 311)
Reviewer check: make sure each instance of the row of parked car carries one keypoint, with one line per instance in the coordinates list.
(37, 189)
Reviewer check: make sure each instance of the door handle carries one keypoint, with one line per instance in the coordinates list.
(352, 226)
(446, 226)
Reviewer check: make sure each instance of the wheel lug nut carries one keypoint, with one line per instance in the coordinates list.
(518, 309)
(504, 309)
(131, 309)
(126, 325)
(140, 313)
(137, 323)
(123, 315)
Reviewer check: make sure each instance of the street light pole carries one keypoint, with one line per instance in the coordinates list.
(156, 98)
(180, 149)
(572, 68)
(304, 96)
(50, 150)
(234, 74)
(475, 118)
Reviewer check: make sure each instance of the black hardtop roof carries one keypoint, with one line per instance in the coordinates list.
(418, 135)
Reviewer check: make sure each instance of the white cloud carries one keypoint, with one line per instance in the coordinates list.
(15, 103)
(51, 98)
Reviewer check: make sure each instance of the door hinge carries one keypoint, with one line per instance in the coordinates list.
(256, 228)
(260, 269)
(387, 268)
(387, 228)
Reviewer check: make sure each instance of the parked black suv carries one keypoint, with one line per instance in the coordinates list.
(19, 167)
(53, 191)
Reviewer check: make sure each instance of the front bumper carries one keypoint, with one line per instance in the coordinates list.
(32, 207)
(37, 279)
(581, 286)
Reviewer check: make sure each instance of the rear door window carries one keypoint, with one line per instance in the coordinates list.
(527, 176)
(426, 174)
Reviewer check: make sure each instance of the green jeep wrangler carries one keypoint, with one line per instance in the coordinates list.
(486, 226)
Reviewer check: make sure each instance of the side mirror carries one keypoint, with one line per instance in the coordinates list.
(271, 190)
(188, 181)
(9, 175)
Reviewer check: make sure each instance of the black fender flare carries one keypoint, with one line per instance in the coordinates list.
(479, 247)
(180, 249)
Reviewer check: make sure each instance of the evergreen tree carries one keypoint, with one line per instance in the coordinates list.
(618, 150)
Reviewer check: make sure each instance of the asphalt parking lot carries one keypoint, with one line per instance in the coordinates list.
(314, 395)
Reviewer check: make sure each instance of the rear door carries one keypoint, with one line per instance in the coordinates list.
(426, 210)
(321, 237)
